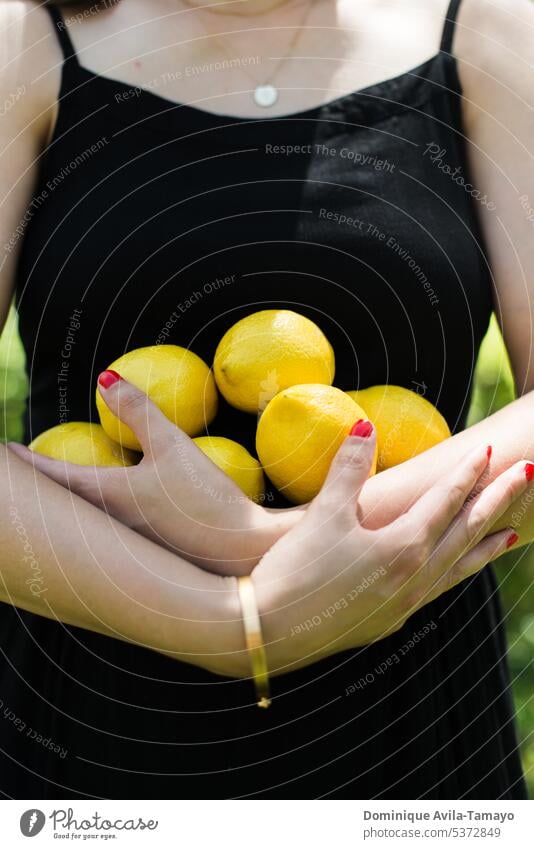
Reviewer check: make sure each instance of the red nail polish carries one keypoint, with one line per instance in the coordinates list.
(108, 378)
(489, 452)
(529, 471)
(362, 428)
(512, 539)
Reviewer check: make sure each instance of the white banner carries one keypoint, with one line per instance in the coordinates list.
(268, 824)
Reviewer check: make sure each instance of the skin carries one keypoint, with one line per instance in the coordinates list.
(215, 525)
(64, 559)
(212, 524)
(321, 552)
(95, 573)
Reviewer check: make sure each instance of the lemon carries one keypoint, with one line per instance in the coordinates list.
(236, 462)
(298, 434)
(269, 351)
(82, 443)
(406, 423)
(175, 379)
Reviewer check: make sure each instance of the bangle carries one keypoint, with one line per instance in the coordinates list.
(254, 640)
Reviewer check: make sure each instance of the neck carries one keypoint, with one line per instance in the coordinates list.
(239, 7)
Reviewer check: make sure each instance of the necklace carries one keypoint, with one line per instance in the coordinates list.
(265, 93)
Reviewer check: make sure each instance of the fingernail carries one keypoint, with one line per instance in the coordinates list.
(489, 451)
(512, 539)
(108, 378)
(362, 428)
(529, 471)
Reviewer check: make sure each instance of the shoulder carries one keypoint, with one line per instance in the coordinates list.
(31, 64)
(494, 45)
(29, 43)
(486, 24)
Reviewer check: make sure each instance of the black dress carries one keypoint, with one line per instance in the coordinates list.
(155, 221)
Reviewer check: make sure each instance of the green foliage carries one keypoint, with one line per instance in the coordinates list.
(13, 381)
(493, 389)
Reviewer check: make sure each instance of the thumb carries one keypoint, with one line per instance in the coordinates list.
(349, 469)
(135, 409)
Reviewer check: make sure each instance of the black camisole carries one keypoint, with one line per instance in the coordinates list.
(160, 222)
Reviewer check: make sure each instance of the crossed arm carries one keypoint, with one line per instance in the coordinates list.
(215, 526)
(64, 559)
(409, 525)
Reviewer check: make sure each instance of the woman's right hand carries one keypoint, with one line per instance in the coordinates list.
(330, 584)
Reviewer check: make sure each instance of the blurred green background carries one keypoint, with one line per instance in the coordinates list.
(493, 389)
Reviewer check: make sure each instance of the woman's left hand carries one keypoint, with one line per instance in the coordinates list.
(176, 496)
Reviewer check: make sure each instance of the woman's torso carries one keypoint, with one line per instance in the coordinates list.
(156, 222)
(151, 214)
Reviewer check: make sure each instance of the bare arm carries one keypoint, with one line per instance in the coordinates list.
(510, 432)
(494, 45)
(64, 559)
(384, 497)
(27, 98)
(495, 49)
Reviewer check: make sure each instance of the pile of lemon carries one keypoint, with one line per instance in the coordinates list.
(274, 364)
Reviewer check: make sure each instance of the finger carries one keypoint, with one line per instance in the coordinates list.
(135, 409)
(480, 515)
(87, 481)
(349, 470)
(483, 553)
(432, 514)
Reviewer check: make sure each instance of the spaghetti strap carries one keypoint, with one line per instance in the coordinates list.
(449, 26)
(69, 51)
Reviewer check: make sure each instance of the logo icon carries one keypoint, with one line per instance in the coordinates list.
(32, 822)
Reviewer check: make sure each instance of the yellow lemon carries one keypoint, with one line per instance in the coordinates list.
(236, 462)
(298, 434)
(406, 423)
(82, 443)
(269, 351)
(175, 379)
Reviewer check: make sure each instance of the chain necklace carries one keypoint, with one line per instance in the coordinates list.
(265, 93)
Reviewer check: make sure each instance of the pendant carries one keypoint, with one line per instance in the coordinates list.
(265, 95)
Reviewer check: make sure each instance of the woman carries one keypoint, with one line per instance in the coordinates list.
(159, 147)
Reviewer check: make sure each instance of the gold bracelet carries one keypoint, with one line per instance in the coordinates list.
(254, 640)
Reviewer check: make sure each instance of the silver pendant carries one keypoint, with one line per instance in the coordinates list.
(265, 95)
